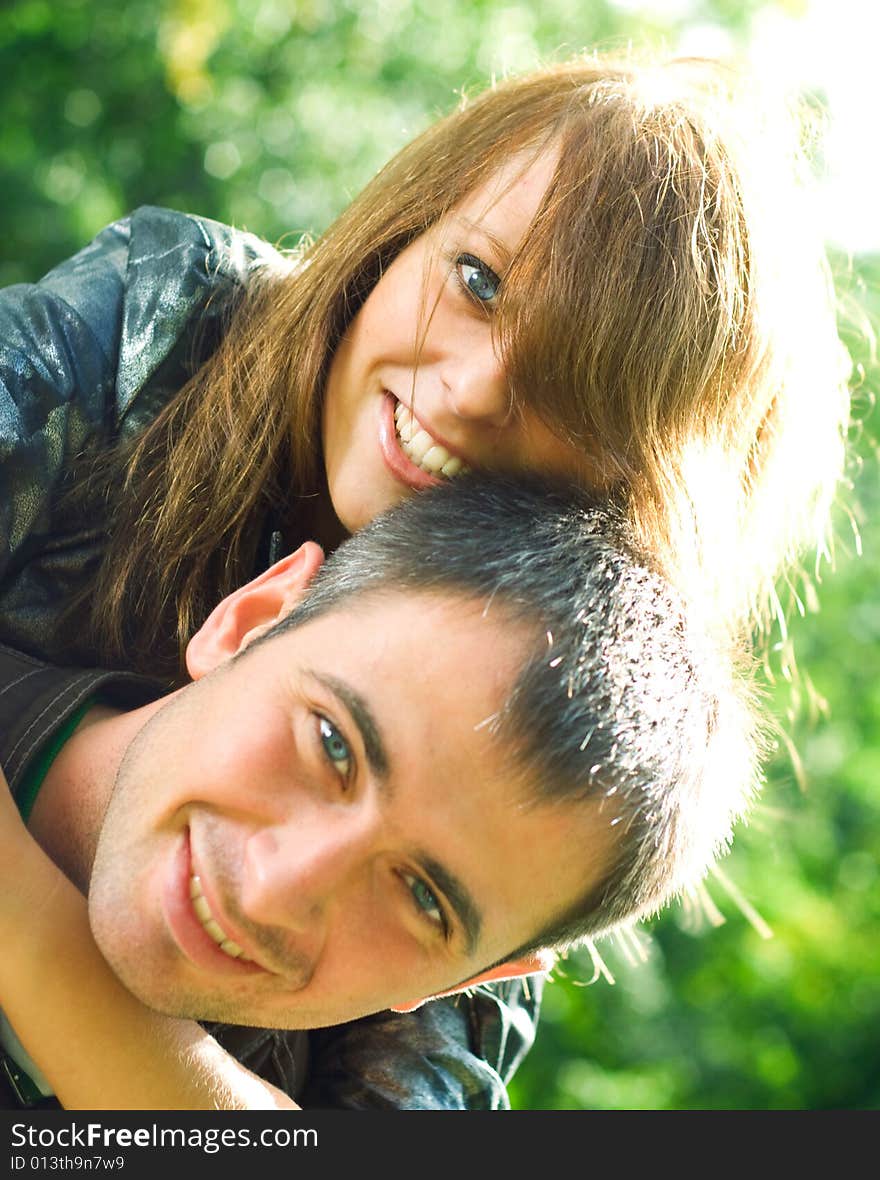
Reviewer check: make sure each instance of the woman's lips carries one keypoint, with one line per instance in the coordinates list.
(428, 449)
(423, 447)
(187, 931)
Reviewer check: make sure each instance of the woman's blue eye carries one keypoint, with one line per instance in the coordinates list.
(426, 900)
(478, 279)
(335, 746)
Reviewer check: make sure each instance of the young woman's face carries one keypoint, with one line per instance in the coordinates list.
(417, 391)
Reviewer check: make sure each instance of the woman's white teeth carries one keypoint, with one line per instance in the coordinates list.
(422, 449)
(204, 915)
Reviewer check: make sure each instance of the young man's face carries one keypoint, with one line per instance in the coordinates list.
(333, 808)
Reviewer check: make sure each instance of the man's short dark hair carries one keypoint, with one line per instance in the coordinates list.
(621, 698)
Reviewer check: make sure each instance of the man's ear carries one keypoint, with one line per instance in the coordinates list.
(252, 609)
(539, 963)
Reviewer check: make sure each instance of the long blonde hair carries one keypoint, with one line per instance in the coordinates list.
(669, 311)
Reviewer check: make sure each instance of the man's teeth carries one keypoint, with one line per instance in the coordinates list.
(422, 449)
(209, 924)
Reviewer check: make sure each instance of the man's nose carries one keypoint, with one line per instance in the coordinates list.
(294, 871)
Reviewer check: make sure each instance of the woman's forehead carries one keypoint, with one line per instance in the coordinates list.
(511, 193)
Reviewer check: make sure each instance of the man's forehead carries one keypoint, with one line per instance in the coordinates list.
(455, 610)
(409, 635)
(454, 639)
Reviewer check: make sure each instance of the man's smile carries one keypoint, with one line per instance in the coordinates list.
(192, 923)
(210, 924)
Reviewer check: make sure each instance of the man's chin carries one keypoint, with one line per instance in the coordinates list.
(183, 1003)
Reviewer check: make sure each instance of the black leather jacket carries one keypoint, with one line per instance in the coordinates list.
(89, 354)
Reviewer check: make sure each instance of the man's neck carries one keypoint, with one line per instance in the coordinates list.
(69, 810)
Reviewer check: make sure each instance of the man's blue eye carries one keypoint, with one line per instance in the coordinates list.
(335, 747)
(478, 279)
(426, 900)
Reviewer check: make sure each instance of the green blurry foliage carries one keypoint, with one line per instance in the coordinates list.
(271, 114)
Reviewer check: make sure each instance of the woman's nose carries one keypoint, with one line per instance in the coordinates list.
(476, 387)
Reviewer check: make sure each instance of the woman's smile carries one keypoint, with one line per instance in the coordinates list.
(412, 453)
(419, 445)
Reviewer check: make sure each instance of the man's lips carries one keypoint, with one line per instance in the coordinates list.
(210, 925)
(185, 927)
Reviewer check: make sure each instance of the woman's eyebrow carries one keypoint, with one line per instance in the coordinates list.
(500, 247)
(366, 723)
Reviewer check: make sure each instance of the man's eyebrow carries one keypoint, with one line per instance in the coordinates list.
(458, 896)
(501, 248)
(360, 712)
